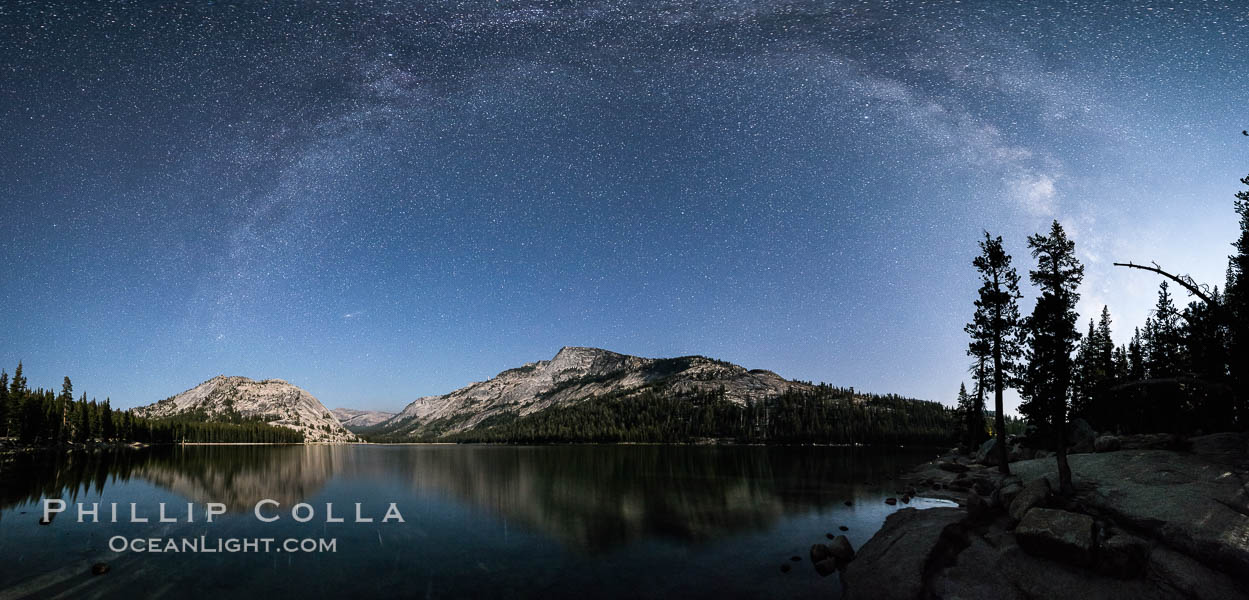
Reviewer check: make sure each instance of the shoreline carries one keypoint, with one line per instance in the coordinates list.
(75, 447)
(713, 444)
(1148, 520)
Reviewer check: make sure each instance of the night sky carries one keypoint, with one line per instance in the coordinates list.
(380, 201)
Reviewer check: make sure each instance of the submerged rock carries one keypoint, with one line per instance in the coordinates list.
(826, 567)
(820, 552)
(841, 549)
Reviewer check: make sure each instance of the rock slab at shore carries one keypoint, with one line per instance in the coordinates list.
(891, 565)
(1143, 524)
(1057, 535)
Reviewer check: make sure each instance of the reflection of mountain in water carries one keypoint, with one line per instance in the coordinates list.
(237, 476)
(241, 476)
(586, 496)
(601, 496)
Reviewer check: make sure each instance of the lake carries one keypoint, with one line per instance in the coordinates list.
(478, 521)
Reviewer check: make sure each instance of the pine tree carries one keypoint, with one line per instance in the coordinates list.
(82, 421)
(61, 414)
(1205, 341)
(125, 427)
(29, 418)
(971, 415)
(1237, 307)
(108, 426)
(1206, 349)
(1096, 373)
(17, 387)
(1122, 366)
(4, 403)
(1051, 336)
(1136, 356)
(977, 433)
(1084, 377)
(96, 422)
(995, 325)
(1105, 352)
(1107, 370)
(51, 431)
(1164, 342)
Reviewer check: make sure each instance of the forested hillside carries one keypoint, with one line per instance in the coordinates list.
(39, 417)
(824, 414)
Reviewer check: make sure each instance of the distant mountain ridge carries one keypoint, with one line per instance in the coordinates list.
(354, 419)
(589, 395)
(575, 374)
(272, 400)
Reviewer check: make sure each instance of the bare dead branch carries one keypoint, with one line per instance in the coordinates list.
(1200, 291)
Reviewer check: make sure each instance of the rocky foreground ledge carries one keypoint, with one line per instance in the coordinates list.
(1144, 523)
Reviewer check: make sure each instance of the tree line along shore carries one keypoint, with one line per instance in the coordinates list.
(43, 418)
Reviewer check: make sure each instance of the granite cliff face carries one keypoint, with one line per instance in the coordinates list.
(575, 374)
(355, 420)
(275, 401)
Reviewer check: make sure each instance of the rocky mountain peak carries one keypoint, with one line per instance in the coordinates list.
(579, 361)
(580, 353)
(272, 400)
(574, 374)
(355, 419)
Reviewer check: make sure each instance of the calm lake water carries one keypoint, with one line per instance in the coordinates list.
(479, 521)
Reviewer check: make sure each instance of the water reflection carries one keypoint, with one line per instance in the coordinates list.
(241, 476)
(588, 497)
(600, 496)
(26, 478)
(236, 476)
